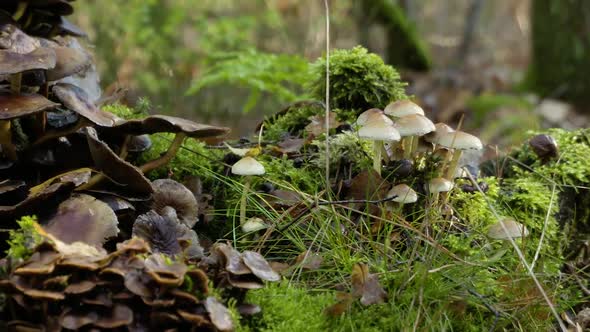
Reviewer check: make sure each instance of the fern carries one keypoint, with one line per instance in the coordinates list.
(278, 75)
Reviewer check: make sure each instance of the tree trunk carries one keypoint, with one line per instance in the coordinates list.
(561, 49)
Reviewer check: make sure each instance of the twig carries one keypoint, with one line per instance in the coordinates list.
(544, 228)
(327, 113)
(487, 305)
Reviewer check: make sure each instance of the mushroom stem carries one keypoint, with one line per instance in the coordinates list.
(408, 146)
(6, 140)
(163, 160)
(243, 201)
(453, 164)
(15, 82)
(415, 142)
(124, 152)
(377, 156)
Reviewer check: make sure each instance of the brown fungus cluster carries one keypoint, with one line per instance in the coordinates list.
(118, 250)
(77, 286)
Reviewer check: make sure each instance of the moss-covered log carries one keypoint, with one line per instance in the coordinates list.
(561, 49)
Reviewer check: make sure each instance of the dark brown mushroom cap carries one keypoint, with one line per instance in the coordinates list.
(195, 319)
(16, 106)
(120, 315)
(127, 176)
(40, 263)
(544, 146)
(168, 192)
(138, 282)
(77, 100)
(159, 231)
(15, 40)
(232, 258)
(38, 199)
(61, 118)
(163, 234)
(83, 218)
(219, 314)
(24, 286)
(246, 281)
(13, 63)
(80, 287)
(69, 61)
(259, 266)
(164, 270)
(167, 124)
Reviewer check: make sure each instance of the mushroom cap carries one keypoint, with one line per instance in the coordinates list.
(12, 62)
(77, 100)
(168, 192)
(247, 166)
(364, 117)
(15, 40)
(404, 194)
(379, 128)
(166, 124)
(139, 143)
(514, 228)
(438, 185)
(402, 108)
(69, 61)
(85, 219)
(16, 106)
(414, 124)
(460, 140)
(439, 130)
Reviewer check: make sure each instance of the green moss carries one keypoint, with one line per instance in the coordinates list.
(358, 80)
(126, 112)
(291, 122)
(345, 149)
(289, 309)
(23, 240)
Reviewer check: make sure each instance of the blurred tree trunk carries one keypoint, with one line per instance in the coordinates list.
(561, 49)
(405, 48)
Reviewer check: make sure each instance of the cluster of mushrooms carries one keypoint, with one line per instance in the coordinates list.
(75, 285)
(402, 131)
(118, 248)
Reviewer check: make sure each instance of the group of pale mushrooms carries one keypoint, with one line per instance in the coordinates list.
(402, 130)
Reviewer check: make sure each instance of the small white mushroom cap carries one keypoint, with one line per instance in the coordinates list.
(438, 185)
(414, 125)
(514, 228)
(439, 130)
(379, 128)
(404, 194)
(403, 108)
(253, 225)
(460, 140)
(247, 166)
(364, 117)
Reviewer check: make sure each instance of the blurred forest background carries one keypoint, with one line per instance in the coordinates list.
(233, 62)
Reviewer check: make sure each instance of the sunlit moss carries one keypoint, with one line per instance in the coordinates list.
(23, 240)
(359, 80)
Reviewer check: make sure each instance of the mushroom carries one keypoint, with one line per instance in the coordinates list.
(246, 167)
(378, 128)
(403, 194)
(544, 146)
(168, 192)
(411, 127)
(458, 141)
(164, 124)
(401, 108)
(439, 185)
(69, 61)
(13, 107)
(507, 228)
(85, 219)
(364, 117)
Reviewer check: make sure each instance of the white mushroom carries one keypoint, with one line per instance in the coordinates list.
(246, 167)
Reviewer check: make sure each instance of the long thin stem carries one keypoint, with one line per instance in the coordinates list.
(244, 201)
(377, 156)
(327, 114)
(163, 160)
